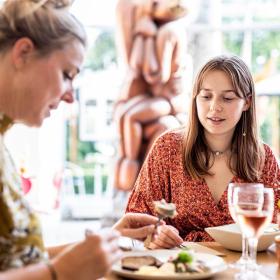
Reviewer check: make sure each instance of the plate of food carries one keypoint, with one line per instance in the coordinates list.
(229, 236)
(168, 264)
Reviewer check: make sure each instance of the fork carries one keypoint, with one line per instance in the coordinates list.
(148, 239)
(183, 246)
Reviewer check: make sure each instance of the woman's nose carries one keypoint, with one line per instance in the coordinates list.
(68, 96)
(216, 106)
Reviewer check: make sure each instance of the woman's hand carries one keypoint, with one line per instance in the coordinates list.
(89, 259)
(137, 225)
(167, 237)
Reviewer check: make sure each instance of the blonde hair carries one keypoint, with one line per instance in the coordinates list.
(247, 149)
(48, 23)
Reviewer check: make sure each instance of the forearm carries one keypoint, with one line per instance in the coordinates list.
(31, 272)
(55, 250)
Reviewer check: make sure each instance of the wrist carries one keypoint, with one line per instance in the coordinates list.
(63, 270)
(52, 270)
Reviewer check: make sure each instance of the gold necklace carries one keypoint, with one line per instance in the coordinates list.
(217, 153)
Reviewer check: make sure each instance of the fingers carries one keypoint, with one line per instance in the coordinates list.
(116, 256)
(168, 237)
(112, 250)
(140, 219)
(109, 234)
(107, 240)
(139, 233)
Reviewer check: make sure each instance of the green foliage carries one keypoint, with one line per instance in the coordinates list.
(263, 43)
(89, 184)
(103, 52)
(232, 42)
(265, 131)
(84, 148)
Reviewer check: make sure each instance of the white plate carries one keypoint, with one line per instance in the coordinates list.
(229, 236)
(216, 264)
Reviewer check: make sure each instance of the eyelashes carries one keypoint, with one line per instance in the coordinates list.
(207, 98)
(66, 76)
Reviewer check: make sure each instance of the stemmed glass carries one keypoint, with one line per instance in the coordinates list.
(253, 209)
(244, 259)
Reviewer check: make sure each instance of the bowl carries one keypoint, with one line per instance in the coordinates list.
(229, 236)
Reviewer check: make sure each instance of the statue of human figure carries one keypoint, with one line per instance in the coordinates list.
(152, 42)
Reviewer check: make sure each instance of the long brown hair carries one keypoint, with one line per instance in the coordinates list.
(247, 149)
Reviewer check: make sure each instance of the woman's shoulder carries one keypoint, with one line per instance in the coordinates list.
(168, 143)
(171, 137)
(271, 169)
(268, 152)
(270, 160)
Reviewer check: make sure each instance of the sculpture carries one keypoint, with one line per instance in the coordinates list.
(153, 46)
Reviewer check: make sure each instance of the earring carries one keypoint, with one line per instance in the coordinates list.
(244, 124)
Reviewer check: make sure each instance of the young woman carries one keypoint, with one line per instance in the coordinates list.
(193, 167)
(41, 51)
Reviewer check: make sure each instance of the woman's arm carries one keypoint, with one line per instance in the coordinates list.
(90, 259)
(271, 177)
(55, 250)
(153, 183)
(31, 272)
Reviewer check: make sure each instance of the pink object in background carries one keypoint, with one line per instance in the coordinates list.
(26, 184)
(57, 182)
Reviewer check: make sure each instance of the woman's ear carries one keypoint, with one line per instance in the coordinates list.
(22, 51)
(248, 101)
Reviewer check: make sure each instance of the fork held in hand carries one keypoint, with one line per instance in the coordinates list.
(149, 238)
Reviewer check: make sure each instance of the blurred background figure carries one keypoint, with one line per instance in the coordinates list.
(152, 42)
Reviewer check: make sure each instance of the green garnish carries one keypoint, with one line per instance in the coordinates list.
(184, 257)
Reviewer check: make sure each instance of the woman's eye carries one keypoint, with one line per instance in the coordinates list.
(228, 99)
(205, 97)
(66, 76)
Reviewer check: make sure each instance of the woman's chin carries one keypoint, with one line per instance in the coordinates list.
(36, 122)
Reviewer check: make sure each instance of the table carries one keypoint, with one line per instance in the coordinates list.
(266, 259)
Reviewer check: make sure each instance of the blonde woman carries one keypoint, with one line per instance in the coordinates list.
(192, 167)
(41, 51)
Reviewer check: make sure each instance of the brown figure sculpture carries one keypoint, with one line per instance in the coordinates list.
(153, 45)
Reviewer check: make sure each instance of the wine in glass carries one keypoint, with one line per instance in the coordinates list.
(245, 248)
(254, 210)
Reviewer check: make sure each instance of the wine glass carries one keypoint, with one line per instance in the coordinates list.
(244, 259)
(253, 209)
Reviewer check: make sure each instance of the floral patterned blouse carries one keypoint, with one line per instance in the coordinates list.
(20, 234)
(163, 176)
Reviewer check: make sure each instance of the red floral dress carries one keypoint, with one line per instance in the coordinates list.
(163, 176)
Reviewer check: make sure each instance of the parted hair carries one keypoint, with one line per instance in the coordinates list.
(48, 23)
(247, 153)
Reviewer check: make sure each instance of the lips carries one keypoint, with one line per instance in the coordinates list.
(215, 120)
(53, 107)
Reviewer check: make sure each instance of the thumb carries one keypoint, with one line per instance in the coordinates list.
(138, 233)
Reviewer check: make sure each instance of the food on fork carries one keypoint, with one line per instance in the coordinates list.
(163, 210)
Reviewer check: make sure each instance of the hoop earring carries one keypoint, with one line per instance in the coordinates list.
(244, 124)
